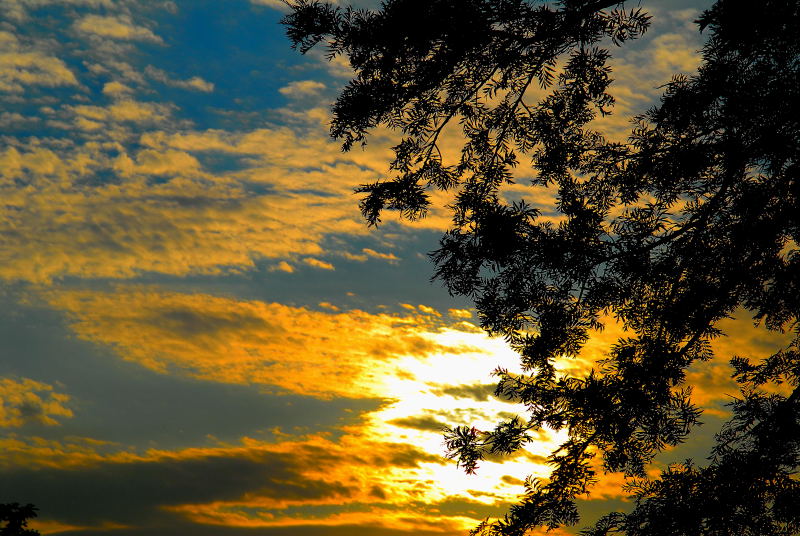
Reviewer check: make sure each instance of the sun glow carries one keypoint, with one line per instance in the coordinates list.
(454, 389)
(429, 370)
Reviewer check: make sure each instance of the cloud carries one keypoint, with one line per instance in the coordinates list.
(21, 68)
(194, 83)
(353, 257)
(712, 383)
(640, 72)
(282, 266)
(127, 110)
(220, 339)
(26, 401)
(116, 89)
(17, 9)
(98, 209)
(391, 257)
(379, 466)
(121, 27)
(316, 263)
(168, 478)
(274, 4)
(149, 162)
(90, 213)
(428, 310)
(256, 484)
(420, 423)
(302, 88)
(480, 391)
(39, 453)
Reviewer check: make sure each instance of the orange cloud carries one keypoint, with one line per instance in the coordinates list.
(302, 88)
(256, 484)
(293, 348)
(120, 27)
(391, 257)
(387, 463)
(316, 263)
(421, 522)
(282, 266)
(64, 224)
(159, 209)
(37, 452)
(23, 66)
(414, 362)
(25, 401)
(195, 83)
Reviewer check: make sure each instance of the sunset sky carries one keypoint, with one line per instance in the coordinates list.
(198, 332)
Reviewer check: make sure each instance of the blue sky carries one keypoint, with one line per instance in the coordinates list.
(199, 333)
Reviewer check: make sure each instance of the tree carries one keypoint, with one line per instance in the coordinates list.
(15, 517)
(692, 218)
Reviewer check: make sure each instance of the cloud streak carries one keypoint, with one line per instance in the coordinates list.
(115, 27)
(315, 353)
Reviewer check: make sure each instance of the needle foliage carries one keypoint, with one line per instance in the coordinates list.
(691, 218)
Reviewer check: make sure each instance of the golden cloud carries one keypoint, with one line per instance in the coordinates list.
(302, 88)
(90, 117)
(26, 401)
(412, 361)
(37, 452)
(98, 210)
(391, 257)
(116, 89)
(316, 263)
(388, 462)
(21, 67)
(256, 483)
(120, 27)
(57, 220)
(282, 266)
(711, 381)
(296, 349)
(194, 83)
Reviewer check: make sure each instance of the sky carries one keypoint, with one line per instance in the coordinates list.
(198, 332)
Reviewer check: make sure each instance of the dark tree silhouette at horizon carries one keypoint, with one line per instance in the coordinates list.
(692, 218)
(14, 519)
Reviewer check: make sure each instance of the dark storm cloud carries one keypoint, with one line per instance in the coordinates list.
(179, 527)
(189, 323)
(478, 391)
(134, 492)
(421, 422)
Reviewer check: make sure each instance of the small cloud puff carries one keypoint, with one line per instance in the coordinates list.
(391, 257)
(194, 83)
(89, 117)
(302, 88)
(116, 89)
(282, 266)
(280, 5)
(316, 263)
(121, 28)
(428, 310)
